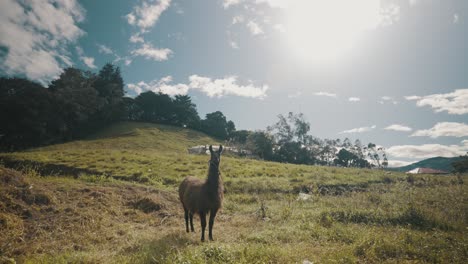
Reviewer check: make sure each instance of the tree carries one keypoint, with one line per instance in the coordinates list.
(28, 114)
(109, 83)
(240, 136)
(110, 87)
(132, 110)
(215, 124)
(282, 130)
(186, 112)
(346, 158)
(230, 128)
(292, 142)
(80, 101)
(301, 127)
(376, 155)
(156, 107)
(461, 166)
(293, 152)
(261, 144)
(290, 128)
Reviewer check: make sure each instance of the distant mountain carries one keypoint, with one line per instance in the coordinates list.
(438, 163)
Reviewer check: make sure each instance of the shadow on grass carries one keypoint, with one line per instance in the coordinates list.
(51, 169)
(44, 169)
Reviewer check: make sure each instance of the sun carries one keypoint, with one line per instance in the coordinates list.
(324, 30)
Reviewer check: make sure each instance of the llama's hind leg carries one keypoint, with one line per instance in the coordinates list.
(186, 216)
(212, 218)
(191, 222)
(203, 225)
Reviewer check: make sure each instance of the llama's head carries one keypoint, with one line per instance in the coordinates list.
(216, 156)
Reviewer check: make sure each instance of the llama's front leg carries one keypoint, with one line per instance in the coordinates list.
(203, 225)
(212, 218)
(186, 216)
(191, 222)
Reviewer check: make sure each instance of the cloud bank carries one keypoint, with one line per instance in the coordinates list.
(163, 85)
(35, 35)
(455, 103)
(428, 150)
(211, 87)
(444, 129)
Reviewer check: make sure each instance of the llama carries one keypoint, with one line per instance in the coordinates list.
(203, 197)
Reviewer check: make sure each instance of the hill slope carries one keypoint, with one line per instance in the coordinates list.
(112, 198)
(438, 163)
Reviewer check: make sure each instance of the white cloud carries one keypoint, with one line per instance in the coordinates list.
(229, 3)
(389, 14)
(359, 130)
(454, 103)
(412, 97)
(275, 3)
(444, 129)
(147, 14)
(398, 127)
(237, 20)
(104, 49)
(36, 34)
(325, 94)
(233, 44)
(136, 38)
(456, 18)
(226, 86)
(254, 28)
(387, 99)
(354, 99)
(427, 151)
(163, 85)
(398, 163)
(149, 52)
(88, 61)
(212, 88)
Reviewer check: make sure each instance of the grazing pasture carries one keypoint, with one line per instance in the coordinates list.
(113, 198)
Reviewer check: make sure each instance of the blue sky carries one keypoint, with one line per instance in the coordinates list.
(392, 72)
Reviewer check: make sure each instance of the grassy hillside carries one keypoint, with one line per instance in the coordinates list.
(112, 198)
(438, 163)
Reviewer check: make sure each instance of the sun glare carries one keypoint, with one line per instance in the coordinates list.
(324, 30)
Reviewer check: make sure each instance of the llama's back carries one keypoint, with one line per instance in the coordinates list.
(189, 193)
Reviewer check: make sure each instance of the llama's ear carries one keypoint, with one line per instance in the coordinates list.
(220, 149)
(211, 149)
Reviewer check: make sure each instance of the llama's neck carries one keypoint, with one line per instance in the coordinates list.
(213, 177)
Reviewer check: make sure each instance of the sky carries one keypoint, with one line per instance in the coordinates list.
(391, 72)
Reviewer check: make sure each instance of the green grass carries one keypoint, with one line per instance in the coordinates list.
(351, 215)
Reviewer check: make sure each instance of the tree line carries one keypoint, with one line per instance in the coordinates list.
(79, 103)
(288, 140)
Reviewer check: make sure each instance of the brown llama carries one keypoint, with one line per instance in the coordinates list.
(203, 197)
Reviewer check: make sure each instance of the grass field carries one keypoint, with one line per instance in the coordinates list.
(113, 198)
